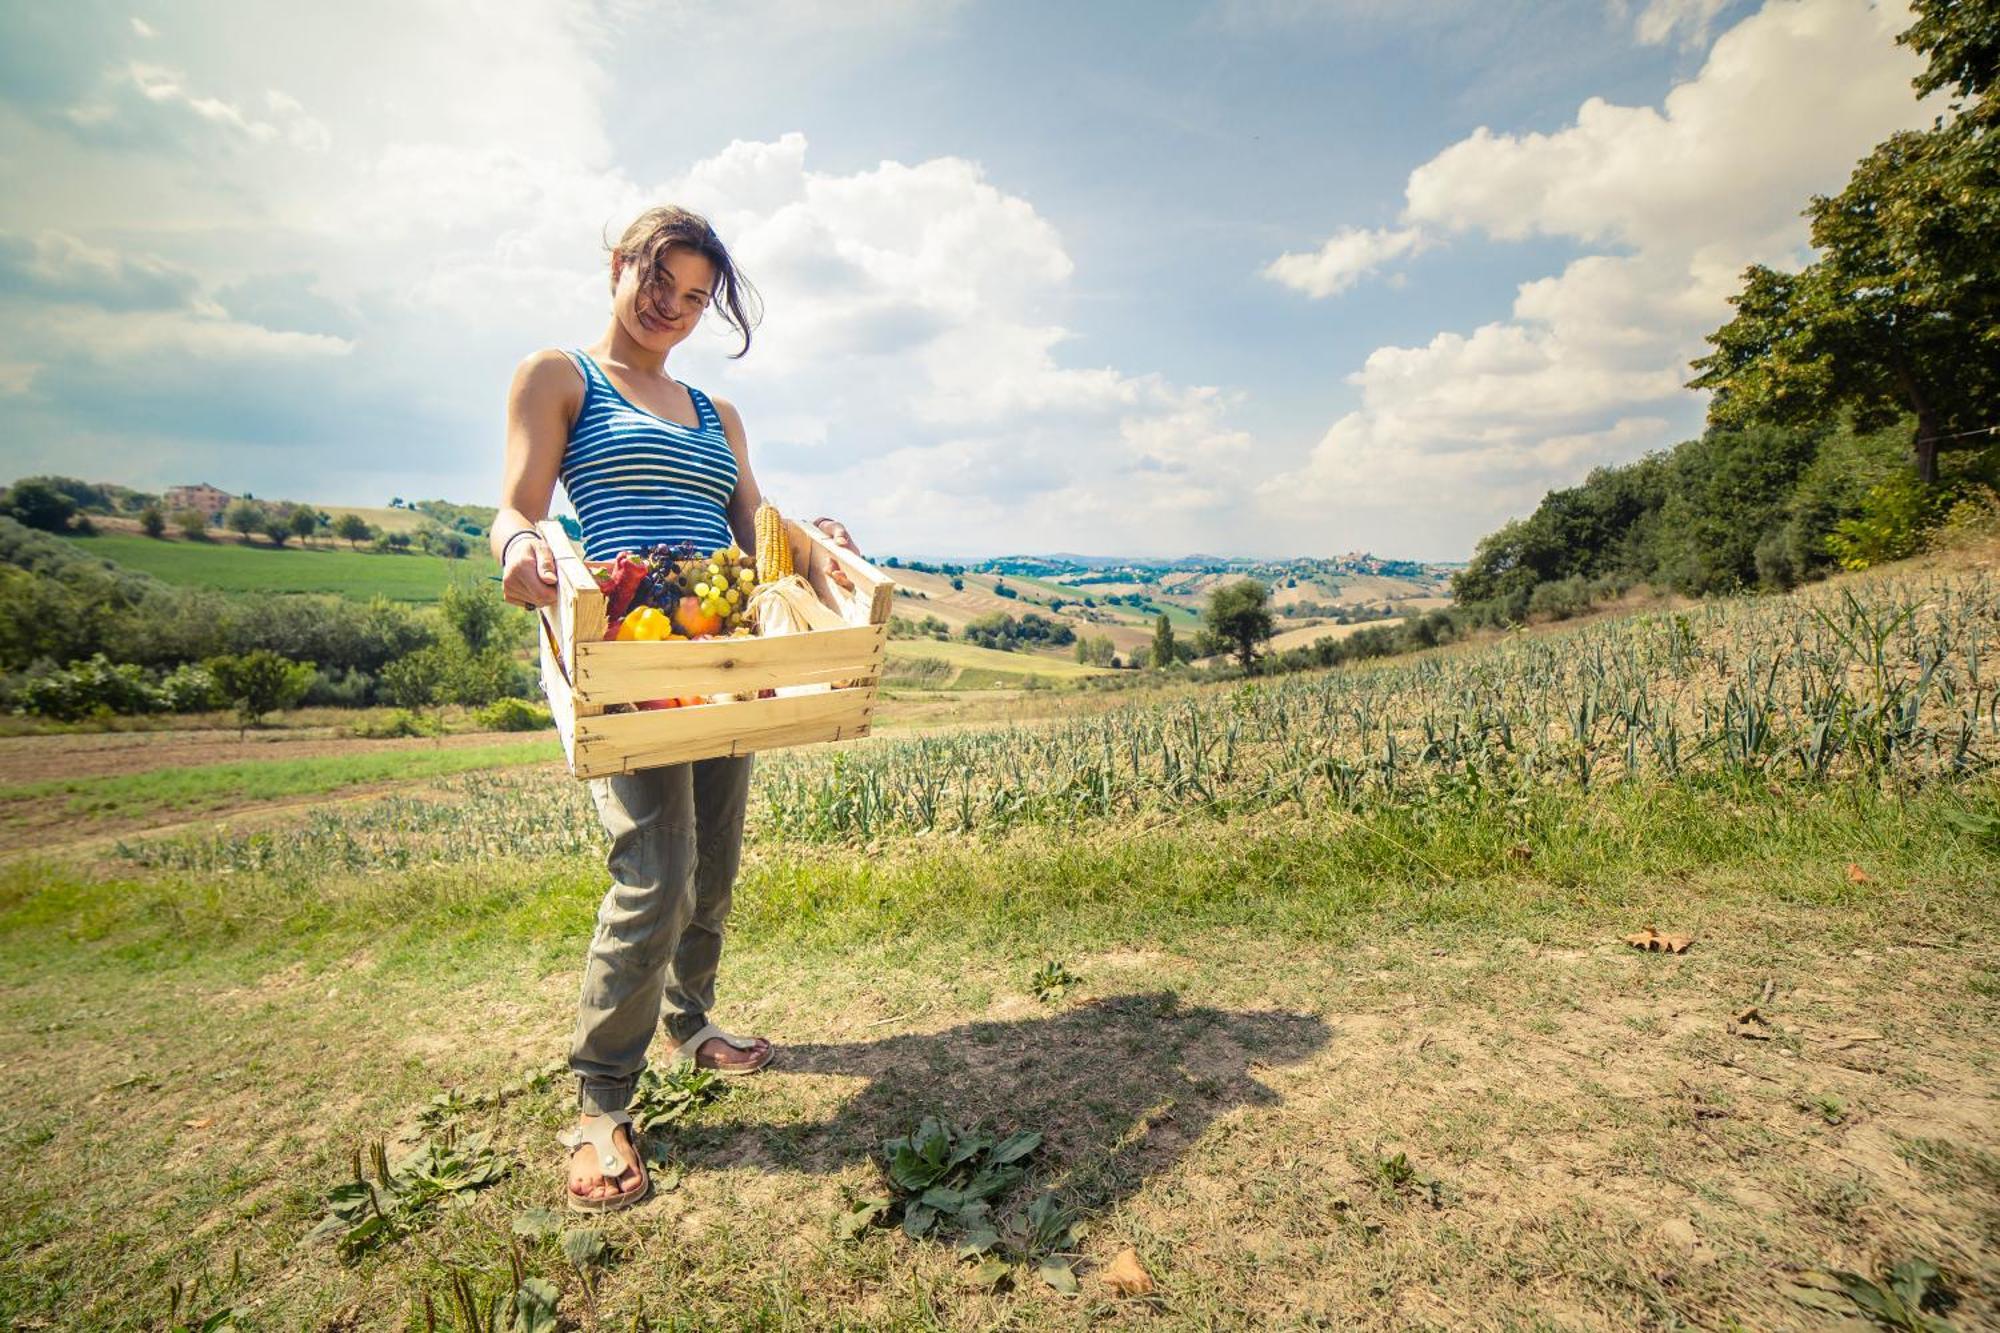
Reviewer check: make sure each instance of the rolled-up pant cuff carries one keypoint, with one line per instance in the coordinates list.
(602, 1098)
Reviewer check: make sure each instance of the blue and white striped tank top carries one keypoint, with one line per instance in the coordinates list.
(638, 479)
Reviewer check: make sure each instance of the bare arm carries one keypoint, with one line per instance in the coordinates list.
(743, 504)
(541, 403)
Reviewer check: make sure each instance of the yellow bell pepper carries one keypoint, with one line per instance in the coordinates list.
(645, 623)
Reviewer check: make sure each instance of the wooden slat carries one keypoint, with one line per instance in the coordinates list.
(629, 672)
(580, 600)
(625, 742)
(595, 764)
(582, 674)
(873, 590)
(562, 703)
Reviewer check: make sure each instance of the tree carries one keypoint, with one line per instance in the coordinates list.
(473, 612)
(277, 528)
(416, 680)
(1900, 314)
(244, 517)
(259, 682)
(1239, 616)
(39, 505)
(304, 522)
(353, 529)
(192, 523)
(1163, 643)
(152, 521)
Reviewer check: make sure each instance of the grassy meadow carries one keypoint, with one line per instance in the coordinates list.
(227, 564)
(1316, 991)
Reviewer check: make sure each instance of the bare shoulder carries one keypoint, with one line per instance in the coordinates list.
(731, 419)
(547, 375)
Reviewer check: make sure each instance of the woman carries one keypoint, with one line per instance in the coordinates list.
(645, 459)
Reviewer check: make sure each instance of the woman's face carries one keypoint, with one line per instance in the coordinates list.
(657, 315)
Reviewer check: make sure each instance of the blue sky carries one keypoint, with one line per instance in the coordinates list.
(1253, 276)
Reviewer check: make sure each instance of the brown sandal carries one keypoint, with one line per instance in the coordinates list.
(688, 1050)
(599, 1132)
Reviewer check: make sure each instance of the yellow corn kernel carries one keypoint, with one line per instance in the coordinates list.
(774, 546)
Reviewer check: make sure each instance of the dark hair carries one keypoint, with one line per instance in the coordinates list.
(658, 230)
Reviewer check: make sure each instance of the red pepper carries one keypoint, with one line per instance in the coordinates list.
(626, 575)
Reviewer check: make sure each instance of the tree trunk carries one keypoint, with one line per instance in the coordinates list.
(1925, 443)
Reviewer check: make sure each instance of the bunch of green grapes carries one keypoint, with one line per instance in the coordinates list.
(723, 584)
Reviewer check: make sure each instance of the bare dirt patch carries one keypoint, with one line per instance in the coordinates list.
(31, 759)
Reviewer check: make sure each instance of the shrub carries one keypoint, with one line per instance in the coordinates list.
(192, 523)
(1560, 599)
(152, 521)
(260, 682)
(245, 517)
(88, 689)
(1894, 519)
(401, 722)
(348, 687)
(191, 689)
(513, 715)
(39, 505)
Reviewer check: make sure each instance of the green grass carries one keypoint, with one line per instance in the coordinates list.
(1354, 1039)
(225, 564)
(1269, 1012)
(215, 786)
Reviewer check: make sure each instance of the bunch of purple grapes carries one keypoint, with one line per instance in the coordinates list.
(664, 587)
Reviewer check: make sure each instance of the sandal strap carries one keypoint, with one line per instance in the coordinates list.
(599, 1132)
(689, 1048)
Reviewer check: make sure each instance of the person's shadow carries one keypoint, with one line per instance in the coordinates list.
(1117, 1086)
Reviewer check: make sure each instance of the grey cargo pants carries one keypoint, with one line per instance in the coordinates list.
(676, 837)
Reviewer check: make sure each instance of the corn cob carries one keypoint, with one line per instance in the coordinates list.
(774, 544)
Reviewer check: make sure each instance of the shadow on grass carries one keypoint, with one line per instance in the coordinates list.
(1118, 1086)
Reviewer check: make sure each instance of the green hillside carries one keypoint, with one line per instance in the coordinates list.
(973, 667)
(229, 566)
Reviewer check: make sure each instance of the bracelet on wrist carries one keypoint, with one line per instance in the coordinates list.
(507, 547)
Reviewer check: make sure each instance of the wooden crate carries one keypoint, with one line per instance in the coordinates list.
(584, 675)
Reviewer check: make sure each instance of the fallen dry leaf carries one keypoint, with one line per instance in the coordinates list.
(1126, 1276)
(1652, 941)
(1855, 874)
(202, 1123)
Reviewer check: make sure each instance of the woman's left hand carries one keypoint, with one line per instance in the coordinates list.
(837, 532)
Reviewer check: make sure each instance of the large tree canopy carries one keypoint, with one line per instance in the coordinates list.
(1898, 314)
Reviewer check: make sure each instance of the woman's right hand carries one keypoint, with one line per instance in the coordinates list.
(530, 576)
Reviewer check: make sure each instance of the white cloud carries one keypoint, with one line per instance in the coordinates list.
(1347, 256)
(916, 348)
(55, 266)
(141, 28)
(1589, 364)
(1660, 19)
(286, 120)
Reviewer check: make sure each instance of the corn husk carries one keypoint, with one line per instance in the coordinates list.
(788, 606)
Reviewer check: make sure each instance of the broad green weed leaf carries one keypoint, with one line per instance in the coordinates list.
(535, 1302)
(943, 1199)
(583, 1248)
(1014, 1147)
(991, 1271)
(1058, 1275)
(860, 1217)
(537, 1222)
